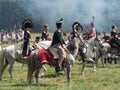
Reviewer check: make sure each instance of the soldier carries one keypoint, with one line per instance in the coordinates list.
(45, 33)
(58, 43)
(26, 26)
(92, 33)
(114, 36)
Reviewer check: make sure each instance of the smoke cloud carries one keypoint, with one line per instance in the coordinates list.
(106, 12)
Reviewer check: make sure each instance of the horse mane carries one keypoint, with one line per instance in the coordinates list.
(91, 39)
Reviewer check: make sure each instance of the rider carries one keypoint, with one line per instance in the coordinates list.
(45, 33)
(114, 35)
(76, 33)
(58, 43)
(26, 26)
(92, 32)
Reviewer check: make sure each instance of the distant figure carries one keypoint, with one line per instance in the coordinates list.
(106, 37)
(37, 39)
(114, 36)
(26, 26)
(92, 33)
(45, 33)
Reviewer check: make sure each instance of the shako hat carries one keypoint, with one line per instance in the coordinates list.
(59, 23)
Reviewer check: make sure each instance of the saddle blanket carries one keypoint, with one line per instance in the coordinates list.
(45, 56)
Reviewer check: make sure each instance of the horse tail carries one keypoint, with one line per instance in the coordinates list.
(31, 68)
(2, 60)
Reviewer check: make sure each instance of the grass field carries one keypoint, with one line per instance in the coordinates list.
(107, 78)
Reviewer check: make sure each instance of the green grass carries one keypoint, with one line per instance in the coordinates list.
(107, 78)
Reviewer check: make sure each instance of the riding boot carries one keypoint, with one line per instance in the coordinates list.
(57, 68)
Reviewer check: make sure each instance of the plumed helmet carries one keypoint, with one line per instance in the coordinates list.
(59, 23)
(27, 23)
(77, 26)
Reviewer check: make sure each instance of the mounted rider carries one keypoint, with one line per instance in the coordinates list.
(58, 43)
(114, 36)
(27, 25)
(92, 33)
(77, 29)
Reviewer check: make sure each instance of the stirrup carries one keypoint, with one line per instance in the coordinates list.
(24, 57)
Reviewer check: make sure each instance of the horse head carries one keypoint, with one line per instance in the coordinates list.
(98, 42)
(74, 45)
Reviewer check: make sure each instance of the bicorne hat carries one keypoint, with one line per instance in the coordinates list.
(27, 23)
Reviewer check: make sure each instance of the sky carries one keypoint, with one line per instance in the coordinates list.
(106, 12)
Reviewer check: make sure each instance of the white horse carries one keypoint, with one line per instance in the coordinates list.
(72, 47)
(9, 55)
(109, 52)
(99, 53)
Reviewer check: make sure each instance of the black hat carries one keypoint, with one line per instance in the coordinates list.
(59, 23)
(77, 26)
(27, 23)
(37, 37)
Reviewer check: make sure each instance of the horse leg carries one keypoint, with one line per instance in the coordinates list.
(96, 61)
(37, 73)
(3, 69)
(94, 67)
(10, 70)
(68, 73)
(111, 58)
(1, 66)
(105, 59)
(44, 69)
(31, 69)
(115, 60)
(102, 60)
(83, 67)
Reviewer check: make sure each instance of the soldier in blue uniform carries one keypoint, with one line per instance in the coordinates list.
(26, 26)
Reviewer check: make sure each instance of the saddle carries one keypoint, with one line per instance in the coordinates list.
(54, 53)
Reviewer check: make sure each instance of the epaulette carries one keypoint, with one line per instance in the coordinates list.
(44, 32)
(114, 30)
(28, 31)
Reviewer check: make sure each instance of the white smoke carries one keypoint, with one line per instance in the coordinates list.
(106, 12)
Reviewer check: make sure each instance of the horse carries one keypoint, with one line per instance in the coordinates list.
(35, 63)
(99, 53)
(111, 51)
(9, 55)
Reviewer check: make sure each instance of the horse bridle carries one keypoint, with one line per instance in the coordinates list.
(99, 41)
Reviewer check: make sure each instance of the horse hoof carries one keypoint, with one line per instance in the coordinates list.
(82, 73)
(93, 70)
